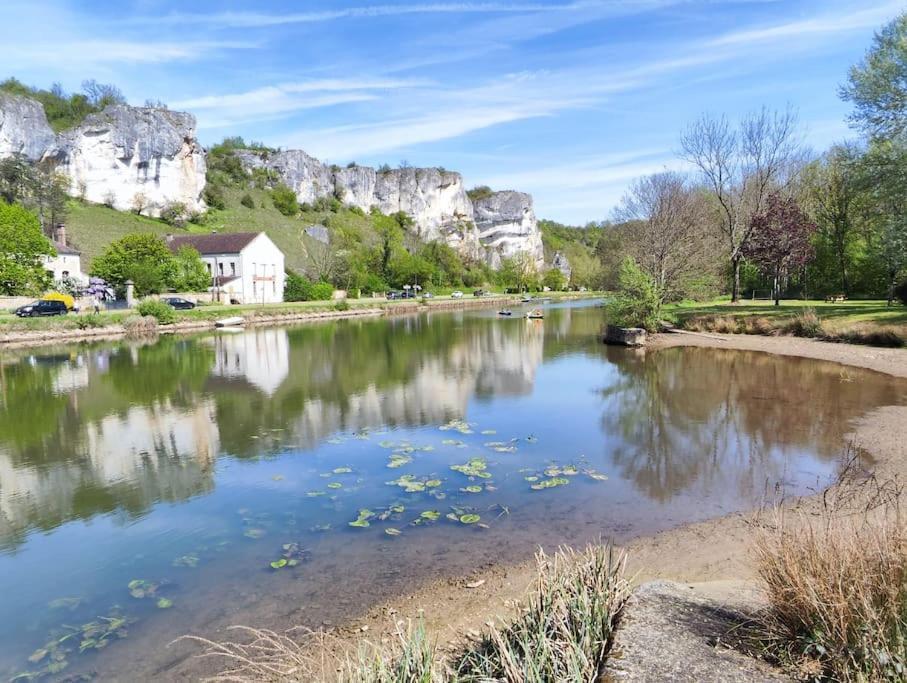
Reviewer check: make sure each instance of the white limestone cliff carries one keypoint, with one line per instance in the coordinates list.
(508, 227)
(24, 130)
(128, 155)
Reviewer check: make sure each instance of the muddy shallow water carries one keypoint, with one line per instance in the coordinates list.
(146, 489)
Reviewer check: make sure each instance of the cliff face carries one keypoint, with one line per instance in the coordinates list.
(116, 156)
(125, 155)
(23, 128)
(501, 226)
(508, 227)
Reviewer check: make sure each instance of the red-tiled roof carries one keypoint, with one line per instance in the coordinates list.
(213, 243)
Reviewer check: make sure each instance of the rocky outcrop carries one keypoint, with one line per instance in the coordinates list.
(508, 227)
(120, 156)
(562, 263)
(125, 156)
(496, 227)
(23, 128)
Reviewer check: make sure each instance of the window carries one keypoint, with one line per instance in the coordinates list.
(232, 267)
(208, 266)
(220, 268)
(65, 273)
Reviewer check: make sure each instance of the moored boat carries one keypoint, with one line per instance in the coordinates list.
(229, 322)
(535, 314)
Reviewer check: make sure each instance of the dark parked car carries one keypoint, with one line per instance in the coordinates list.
(42, 308)
(479, 292)
(178, 303)
(394, 295)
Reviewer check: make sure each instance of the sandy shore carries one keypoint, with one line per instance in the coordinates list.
(713, 555)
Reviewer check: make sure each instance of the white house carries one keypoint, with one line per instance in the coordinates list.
(245, 267)
(68, 261)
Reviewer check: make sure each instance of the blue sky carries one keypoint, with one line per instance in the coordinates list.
(568, 100)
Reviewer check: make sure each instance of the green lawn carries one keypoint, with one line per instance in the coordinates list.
(836, 316)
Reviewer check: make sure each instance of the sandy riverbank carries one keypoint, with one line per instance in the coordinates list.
(714, 556)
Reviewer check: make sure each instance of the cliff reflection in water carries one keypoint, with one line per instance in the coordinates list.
(119, 427)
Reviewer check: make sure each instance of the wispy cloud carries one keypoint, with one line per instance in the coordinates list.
(263, 20)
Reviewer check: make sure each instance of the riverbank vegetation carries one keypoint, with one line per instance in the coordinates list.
(836, 583)
(562, 633)
(762, 217)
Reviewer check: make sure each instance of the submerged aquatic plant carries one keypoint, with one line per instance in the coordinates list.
(362, 520)
(549, 483)
(476, 467)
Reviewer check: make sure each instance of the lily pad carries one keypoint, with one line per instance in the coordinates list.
(531, 478)
(469, 519)
(342, 470)
(164, 603)
(362, 520)
(476, 467)
(430, 515)
(279, 564)
(549, 483)
(472, 489)
(398, 460)
(335, 485)
(433, 483)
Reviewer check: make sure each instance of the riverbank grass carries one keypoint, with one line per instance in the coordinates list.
(836, 582)
(562, 634)
(857, 322)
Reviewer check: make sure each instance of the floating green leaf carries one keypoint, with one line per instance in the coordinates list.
(362, 520)
(279, 564)
(164, 603)
(398, 460)
(433, 483)
(472, 489)
(430, 515)
(550, 483)
(342, 470)
(469, 519)
(335, 485)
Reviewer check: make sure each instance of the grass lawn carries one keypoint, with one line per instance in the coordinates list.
(835, 317)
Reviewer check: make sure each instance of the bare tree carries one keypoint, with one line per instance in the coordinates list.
(669, 233)
(741, 167)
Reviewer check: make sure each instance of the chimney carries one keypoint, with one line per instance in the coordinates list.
(60, 234)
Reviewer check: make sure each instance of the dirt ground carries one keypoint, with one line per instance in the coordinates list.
(713, 556)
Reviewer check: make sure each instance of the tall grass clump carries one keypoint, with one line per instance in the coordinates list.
(413, 658)
(565, 631)
(805, 324)
(836, 583)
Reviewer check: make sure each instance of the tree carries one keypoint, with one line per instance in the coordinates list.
(143, 258)
(22, 248)
(636, 303)
(667, 235)
(832, 191)
(780, 240)
(554, 280)
(188, 272)
(740, 167)
(877, 86)
(518, 272)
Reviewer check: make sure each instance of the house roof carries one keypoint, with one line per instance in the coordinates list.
(65, 249)
(213, 243)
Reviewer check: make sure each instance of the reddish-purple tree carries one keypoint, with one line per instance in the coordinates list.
(779, 240)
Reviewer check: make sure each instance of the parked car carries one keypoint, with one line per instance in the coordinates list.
(42, 308)
(394, 295)
(428, 295)
(479, 292)
(457, 295)
(178, 303)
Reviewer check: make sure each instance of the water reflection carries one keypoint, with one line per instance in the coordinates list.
(98, 428)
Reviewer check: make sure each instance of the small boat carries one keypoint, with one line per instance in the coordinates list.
(526, 299)
(506, 311)
(229, 322)
(535, 314)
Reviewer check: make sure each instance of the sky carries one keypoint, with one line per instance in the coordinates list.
(567, 100)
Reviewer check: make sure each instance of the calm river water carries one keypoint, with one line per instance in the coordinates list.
(147, 488)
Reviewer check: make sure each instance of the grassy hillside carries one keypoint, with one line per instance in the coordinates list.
(92, 227)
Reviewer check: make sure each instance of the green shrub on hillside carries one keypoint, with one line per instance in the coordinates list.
(285, 200)
(64, 110)
(247, 201)
(479, 192)
(214, 196)
(163, 313)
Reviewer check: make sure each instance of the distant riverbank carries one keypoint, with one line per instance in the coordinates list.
(19, 332)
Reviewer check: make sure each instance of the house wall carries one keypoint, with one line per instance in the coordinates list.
(66, 263)
(259, 267)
